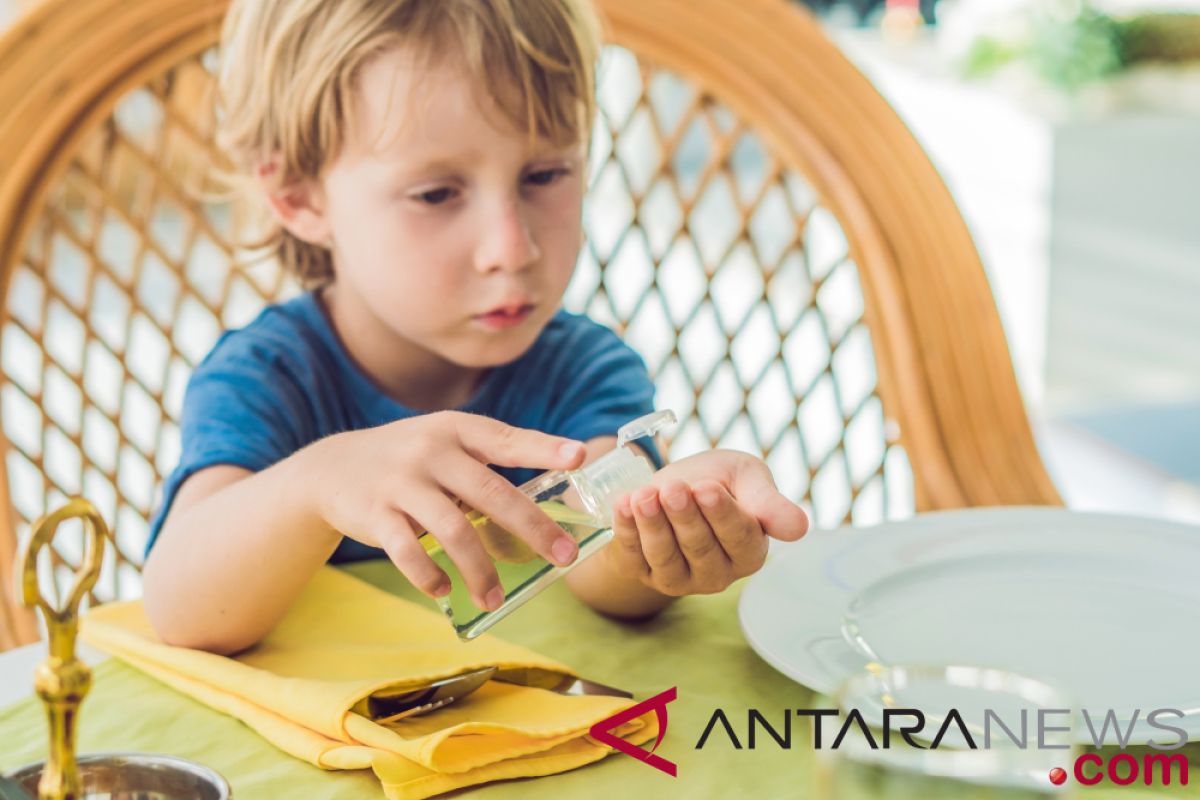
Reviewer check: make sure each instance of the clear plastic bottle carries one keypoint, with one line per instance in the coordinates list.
(580, 501)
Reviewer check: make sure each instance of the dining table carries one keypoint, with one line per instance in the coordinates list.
(696, 647)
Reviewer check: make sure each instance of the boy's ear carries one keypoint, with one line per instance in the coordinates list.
(298, 207)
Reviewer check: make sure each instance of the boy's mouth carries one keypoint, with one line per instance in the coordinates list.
(505, 316)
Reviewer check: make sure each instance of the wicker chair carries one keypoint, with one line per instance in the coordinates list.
(762, 228)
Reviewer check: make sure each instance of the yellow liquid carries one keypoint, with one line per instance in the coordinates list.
(518, 566)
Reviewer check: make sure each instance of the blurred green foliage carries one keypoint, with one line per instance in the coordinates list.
(1069, 51)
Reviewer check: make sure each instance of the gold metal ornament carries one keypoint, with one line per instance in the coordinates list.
(62, 680)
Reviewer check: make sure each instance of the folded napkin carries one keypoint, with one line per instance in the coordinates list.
(303, 688)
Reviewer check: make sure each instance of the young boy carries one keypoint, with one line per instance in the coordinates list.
(423, 162)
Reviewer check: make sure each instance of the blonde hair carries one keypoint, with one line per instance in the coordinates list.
(289, 67)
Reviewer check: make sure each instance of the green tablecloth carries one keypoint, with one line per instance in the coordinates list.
(696, 645)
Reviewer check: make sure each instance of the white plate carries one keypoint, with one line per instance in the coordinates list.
(1102, 606)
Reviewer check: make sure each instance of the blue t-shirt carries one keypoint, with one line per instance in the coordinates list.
(285, 380)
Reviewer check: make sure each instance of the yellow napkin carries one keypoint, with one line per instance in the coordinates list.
(344, 640)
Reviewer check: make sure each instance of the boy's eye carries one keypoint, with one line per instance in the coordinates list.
(435, 197)
(544, 177)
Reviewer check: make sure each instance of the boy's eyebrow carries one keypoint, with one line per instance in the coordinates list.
(437, 164)
(442, 163)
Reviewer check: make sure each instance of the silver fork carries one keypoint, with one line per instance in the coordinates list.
(444, 692)
(418, 710)
(428, 698)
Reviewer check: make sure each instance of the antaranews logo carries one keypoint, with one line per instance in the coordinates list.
(602, 730)
(1035, 730)
(1088, 769)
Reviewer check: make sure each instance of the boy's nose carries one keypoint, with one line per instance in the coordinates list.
(508, 242)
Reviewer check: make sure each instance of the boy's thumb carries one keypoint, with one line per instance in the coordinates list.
(781, 519)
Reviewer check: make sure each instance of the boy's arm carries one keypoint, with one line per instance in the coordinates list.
(235, 551)
(607, 592)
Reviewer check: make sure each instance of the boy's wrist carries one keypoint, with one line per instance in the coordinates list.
(312, 486)
(606, 589)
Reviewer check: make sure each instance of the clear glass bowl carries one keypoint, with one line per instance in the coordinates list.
(998, 768)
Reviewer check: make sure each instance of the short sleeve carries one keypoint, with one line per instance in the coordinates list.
(605, 385)
(242, 407)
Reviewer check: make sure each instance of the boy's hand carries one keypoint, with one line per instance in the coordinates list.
(702, 524)
(382, 486)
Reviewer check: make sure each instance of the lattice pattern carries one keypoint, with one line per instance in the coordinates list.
(127, 281)
(714, 261)
(719, 265)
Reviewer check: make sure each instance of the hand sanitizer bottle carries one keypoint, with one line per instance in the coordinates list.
(580, 501)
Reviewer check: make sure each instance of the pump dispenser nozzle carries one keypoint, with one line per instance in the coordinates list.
(645, 426)
(620, 470)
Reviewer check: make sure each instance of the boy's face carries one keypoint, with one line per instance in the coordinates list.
(450, 228)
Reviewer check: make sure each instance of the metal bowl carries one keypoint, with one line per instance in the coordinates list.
(136, 776)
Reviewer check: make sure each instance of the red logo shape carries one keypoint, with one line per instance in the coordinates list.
(1058, 776)
(601, 731)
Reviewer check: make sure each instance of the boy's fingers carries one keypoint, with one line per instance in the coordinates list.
(706, 559)
(397, 537)
(667, 564)
(739, 533)
(458, 538)
(625, 542)
(490, 493)
(493, 442)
